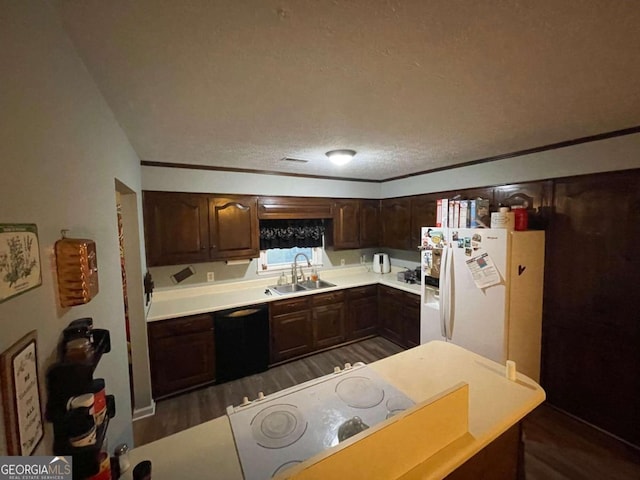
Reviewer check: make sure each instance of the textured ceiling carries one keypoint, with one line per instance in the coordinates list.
(411, 85)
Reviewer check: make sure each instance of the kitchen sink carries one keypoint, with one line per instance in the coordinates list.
(300, 287)
(289, 288)
(311, 285)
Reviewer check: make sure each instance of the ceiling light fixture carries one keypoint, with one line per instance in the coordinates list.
(341, 157)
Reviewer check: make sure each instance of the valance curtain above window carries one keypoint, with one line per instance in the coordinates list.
(291, 233)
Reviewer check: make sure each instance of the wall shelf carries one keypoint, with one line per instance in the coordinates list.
(69, 379)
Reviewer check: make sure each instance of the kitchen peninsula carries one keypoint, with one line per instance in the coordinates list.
(495, 407)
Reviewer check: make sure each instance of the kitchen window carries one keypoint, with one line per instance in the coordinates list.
(282, 240)
(274, 259)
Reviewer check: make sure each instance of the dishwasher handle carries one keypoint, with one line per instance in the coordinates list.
(240, 313)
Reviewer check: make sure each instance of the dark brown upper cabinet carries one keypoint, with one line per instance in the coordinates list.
(537, 197)
(294, 208)
(233, 227)
(356, 223)
(369, 223)
(176, 228)
(395, 216)
(346, 224)
(185, 228)
(423, 214)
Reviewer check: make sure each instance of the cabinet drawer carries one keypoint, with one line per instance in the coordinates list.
(362, 292)
(287, 306)
(327, 298)
(180, 326)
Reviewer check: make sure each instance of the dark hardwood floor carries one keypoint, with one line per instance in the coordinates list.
(557, 446)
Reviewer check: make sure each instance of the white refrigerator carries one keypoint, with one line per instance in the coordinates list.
(488, 298)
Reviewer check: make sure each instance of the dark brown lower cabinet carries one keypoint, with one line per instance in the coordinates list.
(181, 353)
(362, 312)
(303, 325)
(390, 309)
(291, 329)
(411, 314)
(399, 316)
(328, 317)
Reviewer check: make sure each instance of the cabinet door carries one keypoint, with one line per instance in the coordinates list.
(423, 214)
(411, 313)
(396, 223)
(291, 335)
(346, 224)
(181, 361)
(391, 317)
(536, 197)
(362, 315)
(176, 228)
(369, 223)
(234, 227)
(328, 325)
(294, 208)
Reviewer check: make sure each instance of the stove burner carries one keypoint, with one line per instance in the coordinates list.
(397, 404)
(359, 392)
(284, 466)
(278, 426)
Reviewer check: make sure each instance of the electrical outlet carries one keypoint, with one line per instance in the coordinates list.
(342, 262)
(210, 277)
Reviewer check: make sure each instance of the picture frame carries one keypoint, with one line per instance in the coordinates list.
(21, 396)
(20, 266)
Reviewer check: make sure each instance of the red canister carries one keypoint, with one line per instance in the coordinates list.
(521, 217)
(100, 400)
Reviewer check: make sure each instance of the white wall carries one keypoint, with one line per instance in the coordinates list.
(206, 181)
(620, 153)
(60, 151)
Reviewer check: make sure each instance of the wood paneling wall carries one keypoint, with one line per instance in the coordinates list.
(591, 329)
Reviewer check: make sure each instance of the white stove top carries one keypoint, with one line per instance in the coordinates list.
(287, 427)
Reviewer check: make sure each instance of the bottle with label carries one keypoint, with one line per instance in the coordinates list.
(503, 219)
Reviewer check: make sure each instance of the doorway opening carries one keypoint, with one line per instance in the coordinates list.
(131, 258)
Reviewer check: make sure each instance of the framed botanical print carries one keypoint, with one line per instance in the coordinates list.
(19, 259)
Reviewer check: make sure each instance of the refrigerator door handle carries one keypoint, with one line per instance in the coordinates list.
(448, 327)
(444, 276)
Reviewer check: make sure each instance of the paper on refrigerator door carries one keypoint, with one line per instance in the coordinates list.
(483, 270)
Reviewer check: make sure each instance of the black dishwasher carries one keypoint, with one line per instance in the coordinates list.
(242, 341)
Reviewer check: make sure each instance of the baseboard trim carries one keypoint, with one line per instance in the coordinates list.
(148, 411)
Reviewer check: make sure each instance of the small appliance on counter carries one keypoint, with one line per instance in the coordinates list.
(381, 263)
(409, 276)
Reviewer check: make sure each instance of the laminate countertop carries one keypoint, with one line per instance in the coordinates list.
(192, 300)
(495, 404)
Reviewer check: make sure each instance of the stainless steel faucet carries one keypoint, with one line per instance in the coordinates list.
(294, 268)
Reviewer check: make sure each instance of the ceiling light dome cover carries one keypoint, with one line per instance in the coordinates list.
(341, 157)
